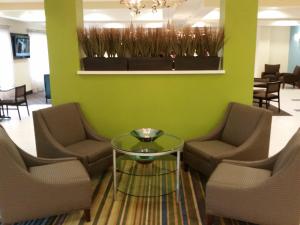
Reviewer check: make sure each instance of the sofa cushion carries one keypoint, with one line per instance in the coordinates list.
(241, 123)
(60, 173)
(91, 149)
(64, 123)
(207, 149)
(11, 148)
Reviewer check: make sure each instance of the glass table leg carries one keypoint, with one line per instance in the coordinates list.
(178, 176)
(115, 174)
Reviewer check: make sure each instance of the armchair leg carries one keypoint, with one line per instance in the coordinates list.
(87, 215)
(209, 219)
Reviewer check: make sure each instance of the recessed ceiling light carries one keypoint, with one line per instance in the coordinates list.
(199, 24)
(153, 25)
(212, 15)
(287, 23)
(97, 17)
(113, 25)
(271, 14)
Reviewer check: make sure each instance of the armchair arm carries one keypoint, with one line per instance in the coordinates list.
(31, 161)
(91, 133)
(266, 164)
(217, 131)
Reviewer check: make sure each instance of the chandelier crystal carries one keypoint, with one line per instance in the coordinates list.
(137, 5)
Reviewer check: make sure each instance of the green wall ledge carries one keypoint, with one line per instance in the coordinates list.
(156, 72)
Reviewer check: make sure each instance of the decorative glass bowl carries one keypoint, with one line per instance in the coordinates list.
(146, 134)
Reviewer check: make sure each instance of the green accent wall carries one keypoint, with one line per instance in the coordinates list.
(184, 105)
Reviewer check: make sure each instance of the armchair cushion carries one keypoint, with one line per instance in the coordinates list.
(228, 175)
(64, 123)
(91, 149)
(61, 173)
(209, 149)
(232, 133)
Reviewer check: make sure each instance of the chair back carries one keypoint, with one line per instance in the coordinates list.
(273, 87)
(272, 69)
(9, 151)
(20, 92)
(64, 123)
(297, 71)
(290, 153)
(241, 123)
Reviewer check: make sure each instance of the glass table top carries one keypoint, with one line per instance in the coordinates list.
(130, 145)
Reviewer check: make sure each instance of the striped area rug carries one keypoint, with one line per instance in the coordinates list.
(129, 210)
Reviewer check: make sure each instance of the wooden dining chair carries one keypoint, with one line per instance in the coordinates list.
(271, 93)
(19, 99)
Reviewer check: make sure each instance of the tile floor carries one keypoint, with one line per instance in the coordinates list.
(283, 127)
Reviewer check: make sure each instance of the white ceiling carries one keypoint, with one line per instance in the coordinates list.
(111, 13)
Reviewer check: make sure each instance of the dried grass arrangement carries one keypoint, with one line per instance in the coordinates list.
(148, 42)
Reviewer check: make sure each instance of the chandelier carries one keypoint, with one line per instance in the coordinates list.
(136, 5)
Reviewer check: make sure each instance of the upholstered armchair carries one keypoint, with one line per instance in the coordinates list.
(261, 192)
(291, 78)
(33, 188)
(271, 72)
(62, 131)
(243, 134)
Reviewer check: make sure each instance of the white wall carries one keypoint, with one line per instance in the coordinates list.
(21, 66)
(272, 48)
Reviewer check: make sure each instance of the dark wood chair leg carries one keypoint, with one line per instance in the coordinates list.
(209, 219)
(19, 112)
(185, 167)
(27, 109)
(7, 110)
(87, 215)
(279, 105)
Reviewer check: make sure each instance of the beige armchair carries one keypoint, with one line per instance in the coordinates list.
(261, 192)
(244, 134)
(62, 131)
(33, 188)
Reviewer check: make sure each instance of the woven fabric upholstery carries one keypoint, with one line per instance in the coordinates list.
(64, 123)
(91, 149)
(207, 149)
(60, 173)
(63, 131)
(241, 123)
(49, 186)
(233, 176)
(260, 192)
(243, 134)
(11, 148)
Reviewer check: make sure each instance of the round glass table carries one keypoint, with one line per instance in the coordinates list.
(147, 169)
